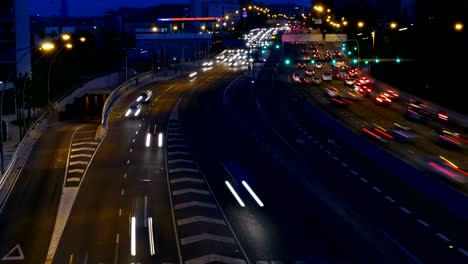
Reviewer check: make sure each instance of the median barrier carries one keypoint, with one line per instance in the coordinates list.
(452, 199)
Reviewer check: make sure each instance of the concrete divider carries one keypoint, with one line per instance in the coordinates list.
(452, 199)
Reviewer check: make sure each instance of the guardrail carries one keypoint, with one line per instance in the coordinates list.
(20, 157)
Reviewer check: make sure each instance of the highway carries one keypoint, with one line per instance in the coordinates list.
(217, 168)
(403, 213)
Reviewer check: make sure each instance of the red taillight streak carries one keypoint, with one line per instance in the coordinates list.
(384, 133)
(439, 168)
(371, 133)
(338, 101)
(450, 139)
(457, 169)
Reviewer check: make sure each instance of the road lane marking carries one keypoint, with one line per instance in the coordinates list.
(214, 258)
(128, 162)
(131, 150)
(151, 237)
(16, 253)
(354, 172)
(85, 143)
(443, 237)
(75, 171)
(389, 198)
(376, 189)
(133, 236)
(78, 163)
(205, 236)
(180, 160)
(252, 193)
(405, 210)
(344, 165)
(364, 180)
(194, 203)
(189, 190)
(423, 222)
(122, 192)
(81, 149)
(74, 179)
(464, 252)
(187, 179)
(205, 219)
(175, 139)
(178, 152)
(80, 156)
(176, 146)
(171, 134)
(116, 249)
(183, 170)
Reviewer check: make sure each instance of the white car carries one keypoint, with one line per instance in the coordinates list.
(134, 110)
(318, 65)
(144, 96)
(326, 76)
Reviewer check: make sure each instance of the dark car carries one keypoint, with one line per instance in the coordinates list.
(377, 134)
(402, 134)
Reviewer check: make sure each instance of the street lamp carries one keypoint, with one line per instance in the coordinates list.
(68, 46)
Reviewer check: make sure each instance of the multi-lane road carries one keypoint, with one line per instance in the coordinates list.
(217, 169)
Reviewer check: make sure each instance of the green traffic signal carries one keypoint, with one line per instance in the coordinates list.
(287, 61)
(334, 61)
(377, 60)
(349, 52)
(277, 46)
(343, 48)
(366, 62)
(263, 51)
(398, 60)
(355, 48)
(355, 61)
(312, 61)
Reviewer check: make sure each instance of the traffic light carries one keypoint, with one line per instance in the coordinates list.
(287, 61)
(333, 61)
(343, 48)
(355, 61)
(366, 62)
(277, 46)
(349, 52)
(312, 61)
(355, 48)
(397, 60)
(263, 51)
(377, 60)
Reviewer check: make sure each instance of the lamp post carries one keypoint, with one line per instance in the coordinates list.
(68, 46)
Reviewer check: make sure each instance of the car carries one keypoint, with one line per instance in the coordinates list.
(349, 81)
(296, 77)
(402, 134)
(382, 99)
(364, 90)
(326, 76)
(418, 111)
(309, 72)
(318, 65)
(352, 73)
(336, 96)
(363, 80)
(450, 138)
(376, 134)
(392, 94)
(134, 110)
(446, 170)
(145, 96)
(316, 80)
(301, 65)
(336, 54)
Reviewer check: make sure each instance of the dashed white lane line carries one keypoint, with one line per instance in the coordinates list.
(390, 199)
(464, 252)
(354, 172)
(443, 237)
(128, 162)
(322, 147)
(125, 176)
(375, 188)
(344, 164)
(405, 210)
(131, 150)
(133, 140)
(364, 180)
(423, 222)
(315, 142)
(336, 158)
(136, 132)
(328, 152)
(122, 192)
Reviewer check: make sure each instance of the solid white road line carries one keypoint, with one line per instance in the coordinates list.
(133, 237)
(151, 236)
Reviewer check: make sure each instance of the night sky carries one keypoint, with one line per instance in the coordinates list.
(46, 8)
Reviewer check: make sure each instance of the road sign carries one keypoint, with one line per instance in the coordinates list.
(14, 254)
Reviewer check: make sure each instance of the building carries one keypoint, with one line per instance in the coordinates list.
(14, 39)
